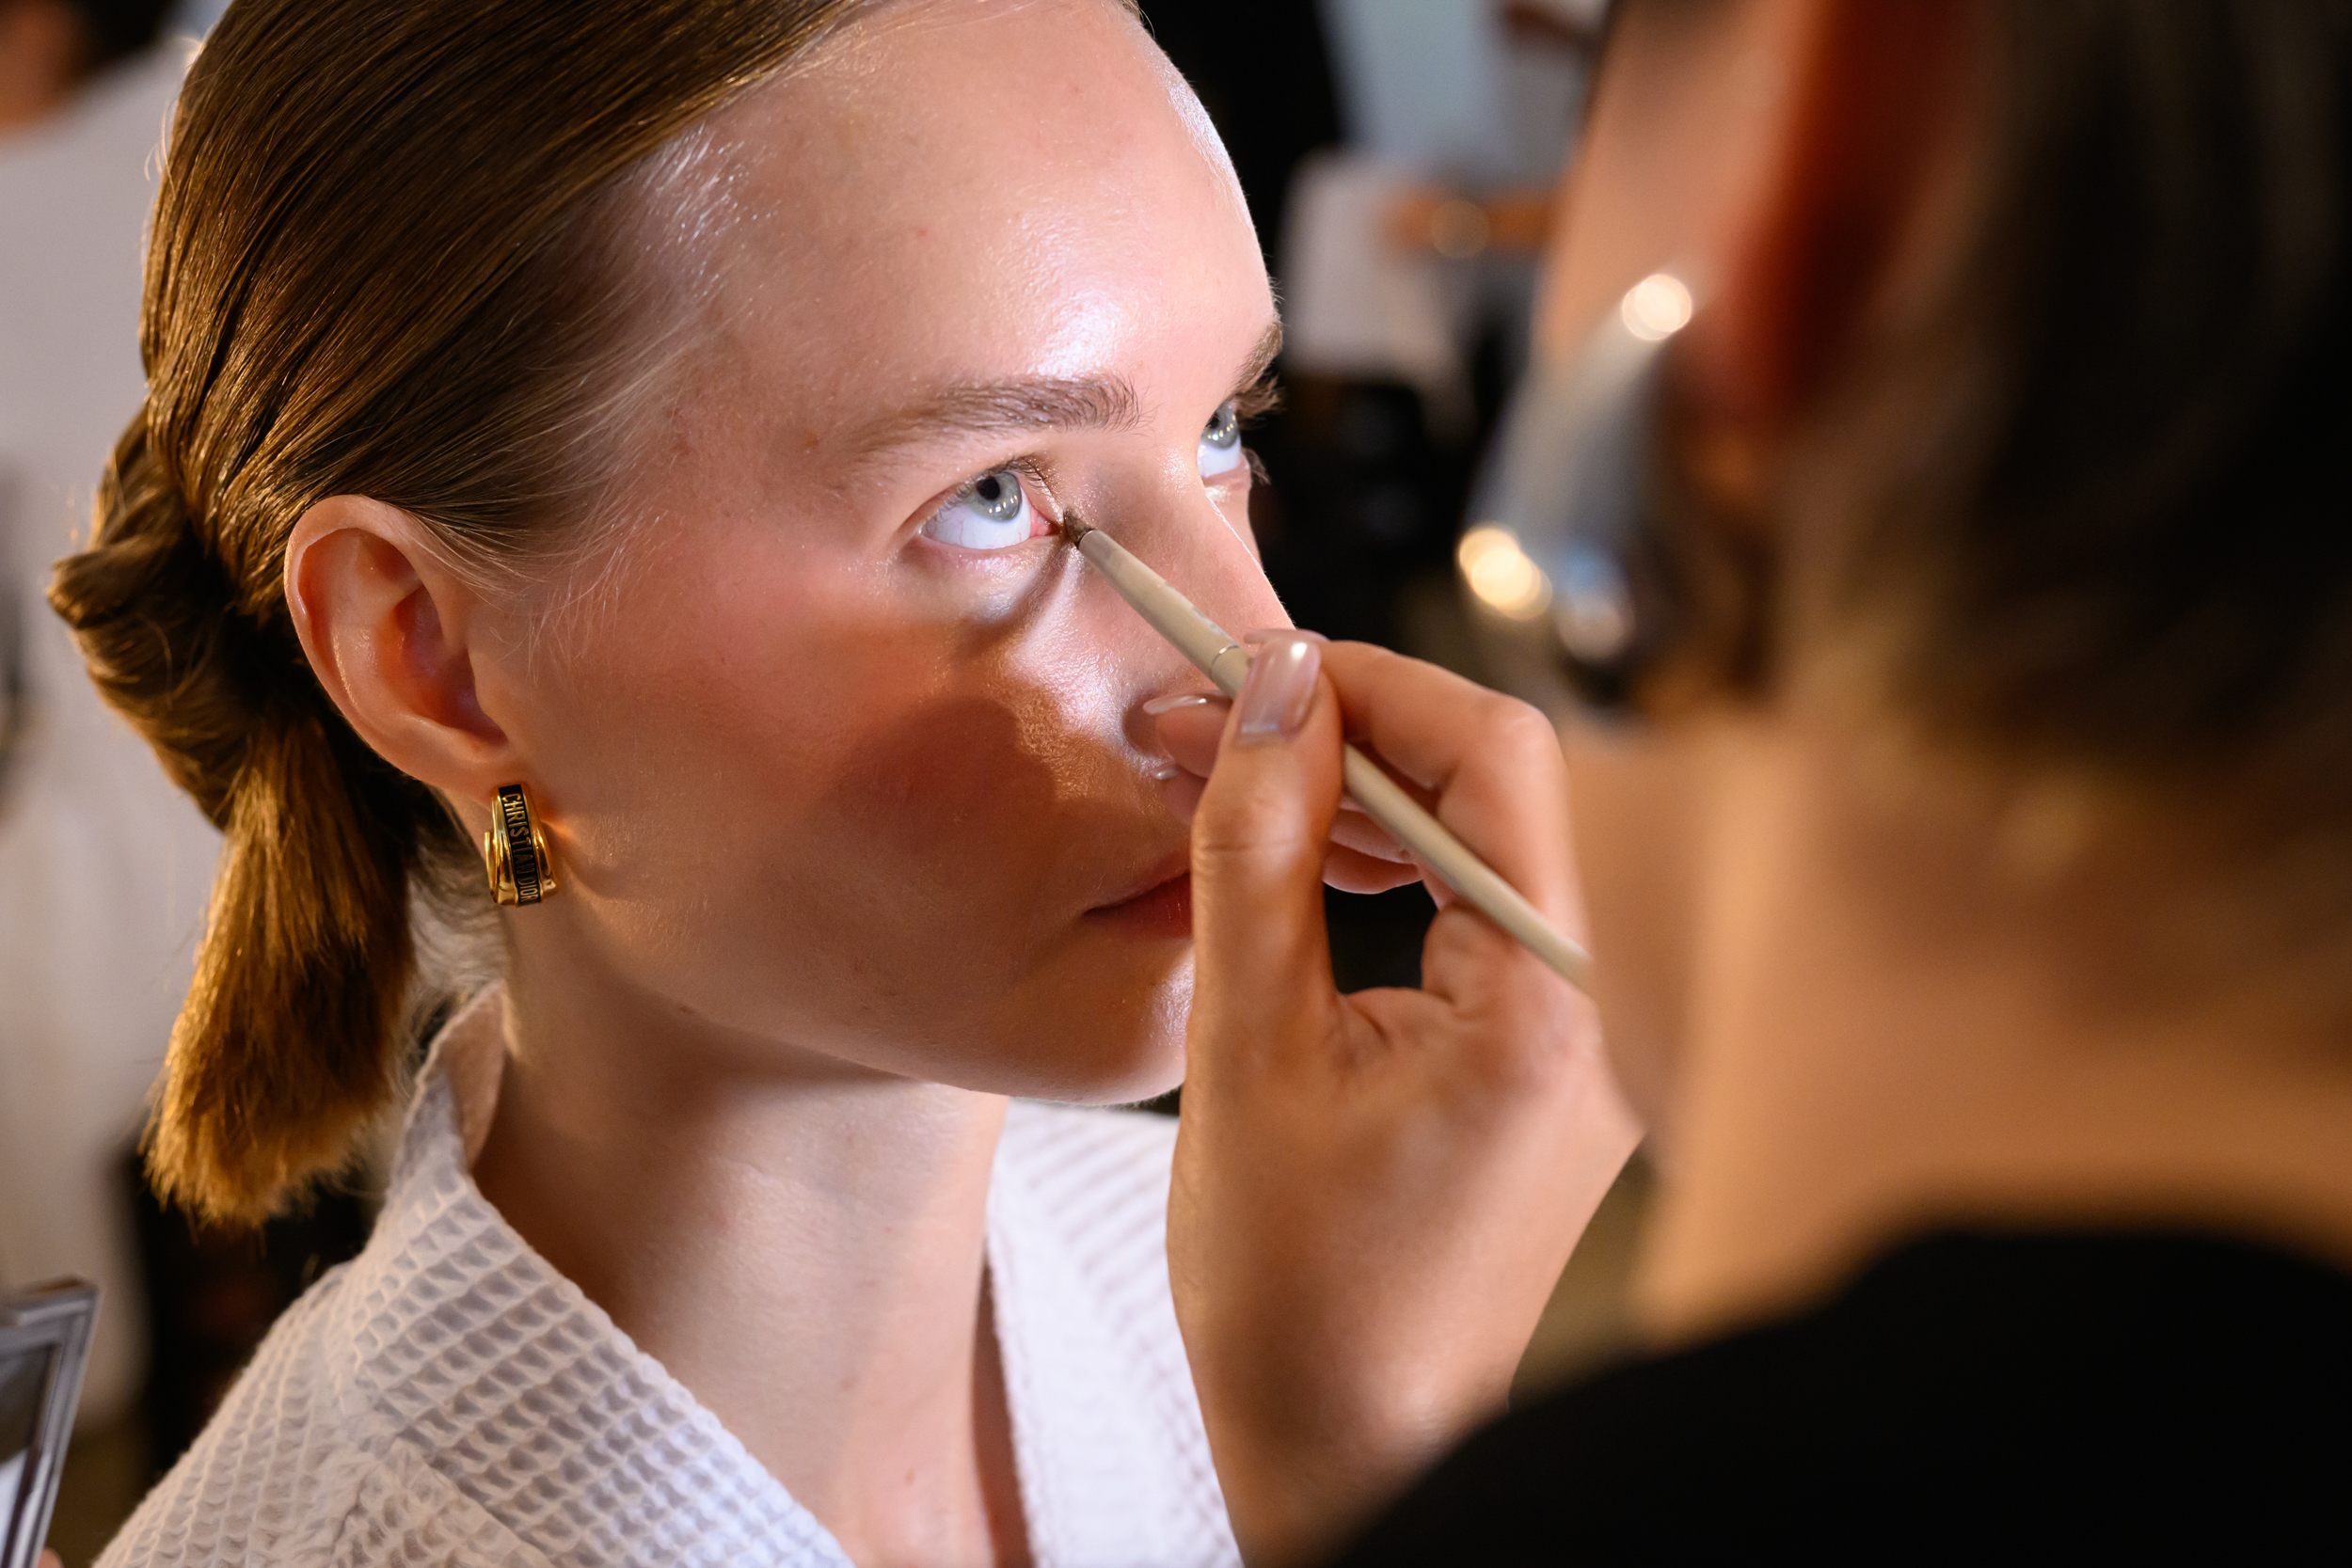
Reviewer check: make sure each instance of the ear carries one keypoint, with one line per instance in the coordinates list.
(387, 627)
(1862, 135)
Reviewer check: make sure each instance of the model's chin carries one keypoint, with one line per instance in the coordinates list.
(1095, 1015)
(1145, 1076)
(1162, 913)
(1113, 1032)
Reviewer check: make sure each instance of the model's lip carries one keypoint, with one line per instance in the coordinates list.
(1176, 862)
(1160, 912)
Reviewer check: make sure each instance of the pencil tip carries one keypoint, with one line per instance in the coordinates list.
(1072, 530)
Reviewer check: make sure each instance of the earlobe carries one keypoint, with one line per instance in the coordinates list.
(387, 626)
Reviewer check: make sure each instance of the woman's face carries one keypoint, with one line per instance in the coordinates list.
(850, 756)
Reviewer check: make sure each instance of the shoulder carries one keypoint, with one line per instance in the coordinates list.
(1966, 1394)
(448, 1397)
(285, 1468)
(324, 1505)
(313, 1457)
(306, 1465)
(1613, 1468)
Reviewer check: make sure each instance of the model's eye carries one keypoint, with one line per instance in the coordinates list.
(990, 513)
(1220, 443)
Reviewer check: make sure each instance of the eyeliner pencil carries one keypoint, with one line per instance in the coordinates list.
(1224, 661)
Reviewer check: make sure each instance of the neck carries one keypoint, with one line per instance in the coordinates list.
(1893, 1027)
(800, 1243)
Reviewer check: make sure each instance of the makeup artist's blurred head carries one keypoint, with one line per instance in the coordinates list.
(2001, 480)
(664, 406)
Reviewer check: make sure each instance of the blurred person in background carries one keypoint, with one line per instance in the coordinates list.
(104, 864)
(1410, 248)
(1960, 804)
(50, 48)
(1407, 253)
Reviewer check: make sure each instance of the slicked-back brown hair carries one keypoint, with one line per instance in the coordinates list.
(398, 252)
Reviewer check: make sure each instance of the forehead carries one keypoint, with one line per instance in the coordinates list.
(972, 187)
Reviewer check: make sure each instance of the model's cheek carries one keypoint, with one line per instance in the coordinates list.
(945, 830)
(949, 785)
(982, 614)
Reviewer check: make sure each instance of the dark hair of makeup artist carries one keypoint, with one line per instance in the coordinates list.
(2087, 517)
(398, 252)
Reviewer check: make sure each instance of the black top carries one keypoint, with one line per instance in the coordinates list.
(1976, 1397)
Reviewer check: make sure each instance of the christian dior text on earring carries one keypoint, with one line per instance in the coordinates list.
(515, 850)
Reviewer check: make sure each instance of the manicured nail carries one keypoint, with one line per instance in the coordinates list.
(1279, 688)
(1158, 706)
(1251, 639)
(1164, 772)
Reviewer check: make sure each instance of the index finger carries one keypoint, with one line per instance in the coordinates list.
(1491, 764)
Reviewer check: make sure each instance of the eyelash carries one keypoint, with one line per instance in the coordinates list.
(1263, 396)
(1032, 478)
(1251, 405)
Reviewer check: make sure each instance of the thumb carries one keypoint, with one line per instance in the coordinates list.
(1259, 840)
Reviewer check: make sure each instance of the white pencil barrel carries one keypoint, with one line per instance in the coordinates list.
(1453, 862)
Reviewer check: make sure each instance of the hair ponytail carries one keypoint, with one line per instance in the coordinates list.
(285, 1048)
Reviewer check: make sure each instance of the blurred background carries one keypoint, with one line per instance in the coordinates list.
(1399, 157)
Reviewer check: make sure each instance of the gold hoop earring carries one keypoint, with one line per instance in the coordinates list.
(515, 850)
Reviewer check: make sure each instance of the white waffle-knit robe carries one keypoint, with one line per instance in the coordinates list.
(448, 1398)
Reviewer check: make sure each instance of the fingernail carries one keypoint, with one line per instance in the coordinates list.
(1279, 688)
(1250, 639)
(1164, 772)
(1158, 706)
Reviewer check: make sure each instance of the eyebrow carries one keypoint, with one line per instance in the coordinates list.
(1034, 403)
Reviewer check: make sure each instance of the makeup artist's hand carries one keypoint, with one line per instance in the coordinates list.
(1359, 857)
(1374, 1194)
